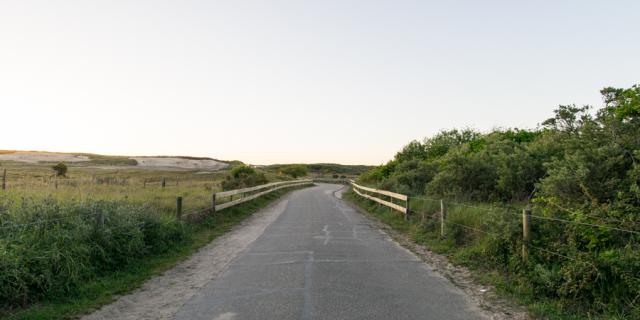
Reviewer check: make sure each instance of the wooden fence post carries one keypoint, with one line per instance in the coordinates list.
(391, 209)
(178, 208)
(4, 180)
(164, 181)
(526, 233)
(442, 216)
(406, 215)
(99, 219)
(213, 203)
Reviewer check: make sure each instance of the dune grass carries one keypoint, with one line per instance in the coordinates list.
(59, 258)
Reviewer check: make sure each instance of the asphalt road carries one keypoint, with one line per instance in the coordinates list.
(320, 259)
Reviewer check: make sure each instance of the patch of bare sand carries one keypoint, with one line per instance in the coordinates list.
(162, 296)
(182, 163)
(35, 157)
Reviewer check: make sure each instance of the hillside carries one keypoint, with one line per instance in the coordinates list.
(96, 160)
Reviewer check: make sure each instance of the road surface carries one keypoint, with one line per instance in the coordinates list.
(320, 259)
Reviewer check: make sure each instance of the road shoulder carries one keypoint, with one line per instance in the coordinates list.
(483, 296)
(162, 296)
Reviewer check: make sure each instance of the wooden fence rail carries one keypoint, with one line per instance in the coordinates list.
(526, 214)
(332, 180)
(359, 190)
(269, 187)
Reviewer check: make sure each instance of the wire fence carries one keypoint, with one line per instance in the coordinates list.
(446, 211)
(507, 210)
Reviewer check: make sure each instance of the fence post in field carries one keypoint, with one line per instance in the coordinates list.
(178, 207)
(4, 179)
(144, 185)
(164, 181)
(526, 233)
(213, 203)
(442, 215)
(99, 219)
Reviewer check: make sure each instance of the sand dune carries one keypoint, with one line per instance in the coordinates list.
(35, 157)
(175, 162)
(158, 163)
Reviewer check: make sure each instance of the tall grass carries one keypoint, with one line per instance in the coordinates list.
(487, 238)
(49, 246)
(70, 247)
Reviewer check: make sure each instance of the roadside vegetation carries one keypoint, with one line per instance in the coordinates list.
(243, 176)
(70, 241)
(322, 170)
(580, 173)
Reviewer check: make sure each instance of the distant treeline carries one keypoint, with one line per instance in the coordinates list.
(582, 165)
(328, 169)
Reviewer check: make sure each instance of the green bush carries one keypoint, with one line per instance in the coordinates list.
(294, 170)
(242, 177)
(49, 247)
(580, 166)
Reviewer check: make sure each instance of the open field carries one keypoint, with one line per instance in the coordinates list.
(167, 243)
(105, 216)
(141, 186)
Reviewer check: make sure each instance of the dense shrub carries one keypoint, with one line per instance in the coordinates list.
(242, 177)
(48, 247)
(294, 170)
(581, 166)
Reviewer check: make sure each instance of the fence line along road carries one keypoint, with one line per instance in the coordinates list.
(270, 187)
(404, 210)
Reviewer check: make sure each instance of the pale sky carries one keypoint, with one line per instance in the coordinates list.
(298, 81)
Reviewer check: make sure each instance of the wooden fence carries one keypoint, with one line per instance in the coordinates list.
(332, 180)
(369, 193)
(362, 191)
(240, 195)
(251, 193)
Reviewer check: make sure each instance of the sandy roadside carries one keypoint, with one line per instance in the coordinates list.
(494, 307)
(162, 296)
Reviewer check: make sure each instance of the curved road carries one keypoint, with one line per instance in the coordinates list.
(320, 259)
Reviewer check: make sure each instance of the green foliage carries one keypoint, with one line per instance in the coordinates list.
(580, 165)
(50, 247)
(243, 176)
(60, 169)
(294, 170)
(59, 254)
(325, 169)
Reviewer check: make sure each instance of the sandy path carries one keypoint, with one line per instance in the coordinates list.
(162, 296)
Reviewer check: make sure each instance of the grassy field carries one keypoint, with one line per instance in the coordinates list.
(101, 289)
(68, 244)
(485, 238)
(113, 183)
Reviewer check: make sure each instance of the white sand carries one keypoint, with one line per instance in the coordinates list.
(161, 162)
(35, 157)
(158, 163)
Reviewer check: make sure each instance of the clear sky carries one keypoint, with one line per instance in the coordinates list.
(298, 81)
